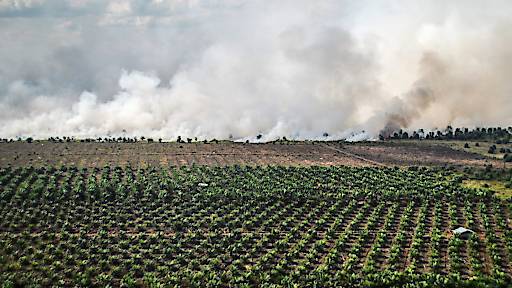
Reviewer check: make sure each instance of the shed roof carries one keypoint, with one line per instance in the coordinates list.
(462, 230)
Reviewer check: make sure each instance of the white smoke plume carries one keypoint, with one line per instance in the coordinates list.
(237, 69)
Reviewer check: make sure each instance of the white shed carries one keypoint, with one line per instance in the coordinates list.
(462, 232)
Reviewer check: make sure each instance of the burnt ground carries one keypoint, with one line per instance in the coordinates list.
(417, 153)
(228, 153)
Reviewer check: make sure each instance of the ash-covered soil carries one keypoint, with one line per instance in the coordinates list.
(417, 153)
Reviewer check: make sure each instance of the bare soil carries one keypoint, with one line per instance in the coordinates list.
(417, 153)
(228, 153)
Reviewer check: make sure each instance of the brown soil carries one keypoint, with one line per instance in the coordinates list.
(416, 153)
(228, 153)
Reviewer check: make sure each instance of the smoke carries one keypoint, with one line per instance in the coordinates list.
(461, 83)
(401, 113)
(236, 69)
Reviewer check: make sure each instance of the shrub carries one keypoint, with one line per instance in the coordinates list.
(8, 284)
(128, 281)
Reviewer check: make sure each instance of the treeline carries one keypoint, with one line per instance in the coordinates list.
(499, 134)
(65, 139)
(142, 139)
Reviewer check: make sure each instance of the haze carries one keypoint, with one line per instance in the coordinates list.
(236, 69)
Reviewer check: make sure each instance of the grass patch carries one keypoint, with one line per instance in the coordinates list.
(495, 185)
(482, 149)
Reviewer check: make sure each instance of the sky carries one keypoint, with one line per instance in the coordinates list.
(236, 69)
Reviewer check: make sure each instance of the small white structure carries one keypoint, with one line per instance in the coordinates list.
(462, 232)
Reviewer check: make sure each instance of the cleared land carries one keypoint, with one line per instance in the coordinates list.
(480, 147)
(19, 154)
(418, 153)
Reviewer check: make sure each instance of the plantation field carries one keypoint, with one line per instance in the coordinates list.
(239, 226)
(141, 154)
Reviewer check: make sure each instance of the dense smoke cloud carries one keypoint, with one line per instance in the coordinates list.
(221, 69)
(462, 86)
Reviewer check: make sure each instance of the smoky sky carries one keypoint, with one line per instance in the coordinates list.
(220, 69)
